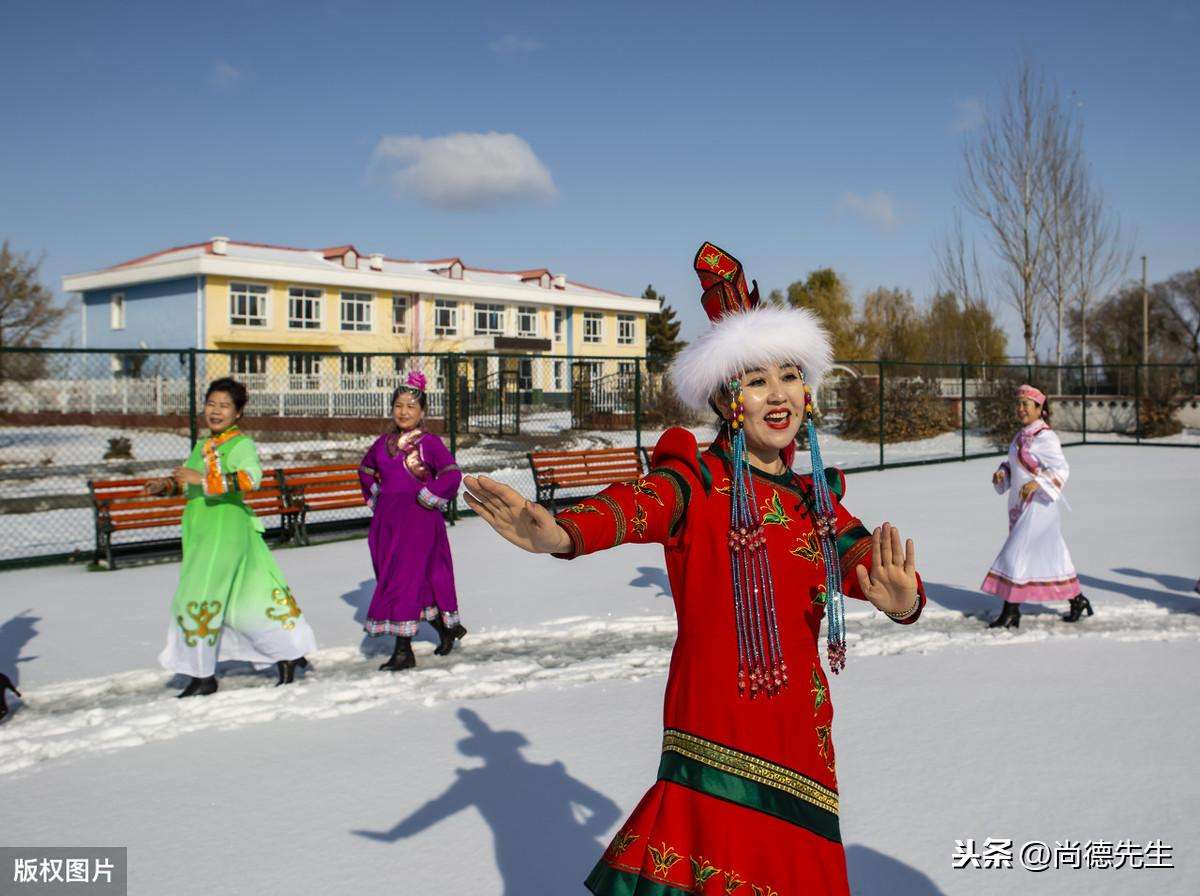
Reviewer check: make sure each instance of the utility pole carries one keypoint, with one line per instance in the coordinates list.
(1145, 317)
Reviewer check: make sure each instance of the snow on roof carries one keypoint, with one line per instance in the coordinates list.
(330, 258)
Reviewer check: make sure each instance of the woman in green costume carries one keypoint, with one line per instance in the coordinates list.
(232, 599)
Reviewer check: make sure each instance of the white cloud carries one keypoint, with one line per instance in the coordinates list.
(968, 116)
(877, 209)
(513, 44)
(224, 76)
(464, 171)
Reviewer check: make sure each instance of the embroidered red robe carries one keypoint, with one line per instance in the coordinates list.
(746, 800)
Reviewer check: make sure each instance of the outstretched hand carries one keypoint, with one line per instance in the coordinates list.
(891, 584)
(529, 526)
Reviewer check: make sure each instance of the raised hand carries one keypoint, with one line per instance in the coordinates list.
(529, 526)
(164, 486)
(891, 584)
(187, 476)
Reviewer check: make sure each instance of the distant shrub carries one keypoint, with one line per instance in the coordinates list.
(119, 448)
(913, 409)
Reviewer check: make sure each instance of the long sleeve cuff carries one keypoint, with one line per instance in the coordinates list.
(429, 500)
(915, 614)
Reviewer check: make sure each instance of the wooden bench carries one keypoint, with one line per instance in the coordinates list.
(120, 505)
(554, 470)
(318, 489)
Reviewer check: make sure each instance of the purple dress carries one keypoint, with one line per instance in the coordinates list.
(408, 479)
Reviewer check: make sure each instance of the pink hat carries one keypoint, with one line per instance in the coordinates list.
(1027, 391)
(415, 381)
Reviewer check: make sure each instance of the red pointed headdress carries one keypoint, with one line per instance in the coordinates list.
(724, 283)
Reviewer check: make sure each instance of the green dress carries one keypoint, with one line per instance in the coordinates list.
(232, 599)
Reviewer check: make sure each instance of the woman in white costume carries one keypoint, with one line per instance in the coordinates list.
(1034, 563)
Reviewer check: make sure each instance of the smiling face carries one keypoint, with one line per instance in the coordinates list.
(220, 412)
(774, 407)
(1028, 411)
(406, 411)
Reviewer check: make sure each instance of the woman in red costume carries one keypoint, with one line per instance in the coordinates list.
(746, 800)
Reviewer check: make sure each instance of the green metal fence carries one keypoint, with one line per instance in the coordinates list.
(68, 416)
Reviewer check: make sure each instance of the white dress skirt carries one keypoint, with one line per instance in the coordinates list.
(1034, 563)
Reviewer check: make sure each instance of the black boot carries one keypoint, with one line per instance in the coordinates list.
(402, 657)
(287, 670)
(1010, 617)
(446, 635)
(1079, 606)
(6, 685)
(200, 687)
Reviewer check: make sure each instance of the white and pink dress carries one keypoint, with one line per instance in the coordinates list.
(1034, 563)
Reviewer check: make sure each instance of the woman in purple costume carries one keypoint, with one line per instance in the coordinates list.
(408, 478)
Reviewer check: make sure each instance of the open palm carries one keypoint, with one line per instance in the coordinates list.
(529, 526)
(891, 584)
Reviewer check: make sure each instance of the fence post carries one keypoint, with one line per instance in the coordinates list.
(1083, 389)
(962, 401)
(1137, 403)
(192, 395)
(637, 404)
(881, 415)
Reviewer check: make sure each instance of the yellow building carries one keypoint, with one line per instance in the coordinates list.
(329, 319)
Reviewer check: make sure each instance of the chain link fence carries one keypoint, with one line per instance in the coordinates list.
(70, 416)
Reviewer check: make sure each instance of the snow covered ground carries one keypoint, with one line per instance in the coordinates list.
(505, 767)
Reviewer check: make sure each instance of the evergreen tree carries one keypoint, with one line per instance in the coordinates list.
(662, 334)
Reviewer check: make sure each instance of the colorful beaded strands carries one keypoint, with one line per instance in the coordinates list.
(826, 526)
(761, 668)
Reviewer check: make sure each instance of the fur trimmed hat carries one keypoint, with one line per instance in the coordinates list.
(744, 334)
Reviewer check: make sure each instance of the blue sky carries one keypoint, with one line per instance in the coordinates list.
(795, 135)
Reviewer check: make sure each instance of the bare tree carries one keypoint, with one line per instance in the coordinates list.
(1004, 185)
(1064, 184)
(28, 314)
(1102, 251)
(958, 272)
(1180, 295)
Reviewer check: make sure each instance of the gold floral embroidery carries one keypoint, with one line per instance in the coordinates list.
(825, 744)
(702, 870)
(642, 487)
(581, 508)
(773, 512)
(732, 882)
(202, 613)
(664, 859)
(763, 891)
(289, 611)
(726, 488)
(819, 692)
(807, 548)
(621, 842)
(639, 520)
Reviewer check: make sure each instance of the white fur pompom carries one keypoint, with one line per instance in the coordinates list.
(747, 340)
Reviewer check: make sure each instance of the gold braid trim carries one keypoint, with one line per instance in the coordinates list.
(750, 767)
(677, 510)
(573, 533)
(618, 517)
(858, 551)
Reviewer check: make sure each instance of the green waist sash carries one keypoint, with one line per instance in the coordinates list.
(748, 780)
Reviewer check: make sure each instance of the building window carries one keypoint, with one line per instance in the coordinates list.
(595, 371)
(356, 312)
(304, 370)
(116, 310)
(445, 317)
(248, 362)
(525, 375)
(593, 326)
(247, 304)
(489, 320)
(560, 316)
(355, 370)
(304, 308)
(399, 315)
(560, 376)
(626, 329)
(527, 322)
(626, 371)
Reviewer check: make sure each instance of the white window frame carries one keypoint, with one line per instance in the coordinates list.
(247, 290)
(626, 329)
(482, 311)
(401, 303)
(597, 318)
(560, 324)
(355, 371)
(450, 326)
(560, 376)
(304, 371)
(527, 314)
(116, 311)
(304, 295)
(360, 322)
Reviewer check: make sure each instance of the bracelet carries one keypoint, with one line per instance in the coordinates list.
(899, 617)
